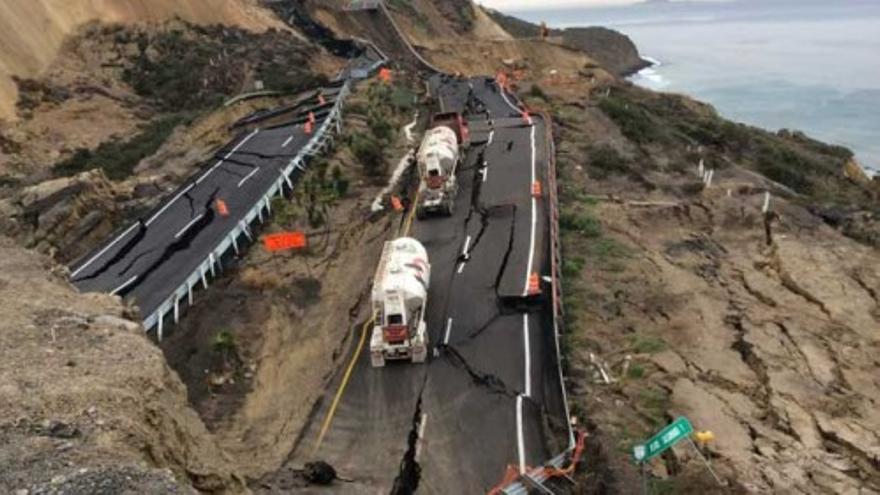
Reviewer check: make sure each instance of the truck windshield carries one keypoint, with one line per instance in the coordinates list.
(395, 319)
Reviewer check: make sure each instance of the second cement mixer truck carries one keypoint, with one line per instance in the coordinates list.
(399, 296)
(438, 159)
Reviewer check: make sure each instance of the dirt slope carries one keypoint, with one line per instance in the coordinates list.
(32, 31)
(674, 290)
(86, 401)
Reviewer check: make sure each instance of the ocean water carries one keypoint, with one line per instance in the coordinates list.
(807, 64)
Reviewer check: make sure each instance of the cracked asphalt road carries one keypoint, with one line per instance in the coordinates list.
(486, 397)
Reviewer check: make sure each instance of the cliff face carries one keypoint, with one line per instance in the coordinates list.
(612, 50)
(33, 31)
(86, 399)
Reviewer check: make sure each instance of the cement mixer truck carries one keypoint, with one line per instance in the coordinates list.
(399, 296)
(438, 159)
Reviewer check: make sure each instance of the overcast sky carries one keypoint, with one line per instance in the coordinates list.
(546, 4)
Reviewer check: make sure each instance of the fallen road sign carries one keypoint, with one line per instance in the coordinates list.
(284, 241)
(678, 430)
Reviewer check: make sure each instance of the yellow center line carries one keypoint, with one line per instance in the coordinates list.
(327, 420)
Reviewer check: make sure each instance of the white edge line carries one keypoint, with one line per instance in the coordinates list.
(101, 252)
(467, 243)
(485, 173)
(448, 331)
(528, 354)
(460, 268)
(491, 137)
(534, 220)
(520, 442)
(421, 436)
(188, 225)
(248, 176)
(287, 142)
(504, 95)
(126, 284)
(220, 162)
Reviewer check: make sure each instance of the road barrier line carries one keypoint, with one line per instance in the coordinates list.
(448, 331)
(126, 284)
(528, 354)
(329, 418)
(534, 221)
(420, 439)
(520, 442)
(248, 176)
(287, 142)
(220, 162)
(101, 252)
(188, 225)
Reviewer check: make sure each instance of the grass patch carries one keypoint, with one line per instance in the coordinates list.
(582, 222)
(634, 121)
(605, 161)
(635, 371)
(119, 158)
(647, 344)
(572, 266)
(606, 248)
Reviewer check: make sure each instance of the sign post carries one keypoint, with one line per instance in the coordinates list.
(676, 431)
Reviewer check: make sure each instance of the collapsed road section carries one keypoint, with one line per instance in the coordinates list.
(161, 258)
(489, 397)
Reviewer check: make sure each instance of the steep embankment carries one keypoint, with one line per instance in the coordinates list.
(33, 31)
(759, 328)
(87, 404)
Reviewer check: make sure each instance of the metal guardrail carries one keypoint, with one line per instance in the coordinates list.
(212, 263)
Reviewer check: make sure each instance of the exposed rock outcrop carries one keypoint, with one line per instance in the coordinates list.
(87, 403)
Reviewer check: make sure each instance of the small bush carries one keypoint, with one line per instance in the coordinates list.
(605, 161)
(634, 121)
(368, 151)
(537, 92)
(119, 158)
(258, 279)
(647, 344)
(606, 248)
(582, 223)
(572, 266)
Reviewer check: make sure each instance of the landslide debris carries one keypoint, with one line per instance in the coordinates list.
(87, 403)
(672, 289)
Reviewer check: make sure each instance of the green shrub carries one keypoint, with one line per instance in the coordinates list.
(582, 223)
(605, 161)
(119, 158)
(572, 266)
(368, 151)
(537, 92)
(634, 121)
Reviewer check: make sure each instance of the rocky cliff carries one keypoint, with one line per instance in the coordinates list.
(611, 49)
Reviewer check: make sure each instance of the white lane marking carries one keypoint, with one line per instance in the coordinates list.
(248, 176)
(504, 95)
(528, 351)
(534, 221)
(181, 193)
(126, 284)
(485, 172)
(220, 162)
(421, 437)
(188, 225)
(287, 142)
(448, 330)
(491, 137)
(464, 252)
(520, 442)
(200, 179)
(101, 252)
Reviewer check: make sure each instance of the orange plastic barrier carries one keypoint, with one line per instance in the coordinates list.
(396, 204)
(321, 99)
(312, 117)
(385, 75)
(221, 207)
(284, 241)
(534, 284)
(536, 189)
(309, 127)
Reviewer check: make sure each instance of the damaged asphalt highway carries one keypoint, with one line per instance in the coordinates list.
(489, 396)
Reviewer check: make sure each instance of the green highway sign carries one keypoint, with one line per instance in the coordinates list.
(678, 430)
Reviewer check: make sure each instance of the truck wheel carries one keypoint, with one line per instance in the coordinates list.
(450, 208)
(421, 214)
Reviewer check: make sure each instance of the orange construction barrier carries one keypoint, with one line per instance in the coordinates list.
(395, 202)
(536, 189)
(312, 118)
(527, 118)
(385, 75)
(309, 127)
(284, 241)
(534, 284)
(221, 207)
(321, 99)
